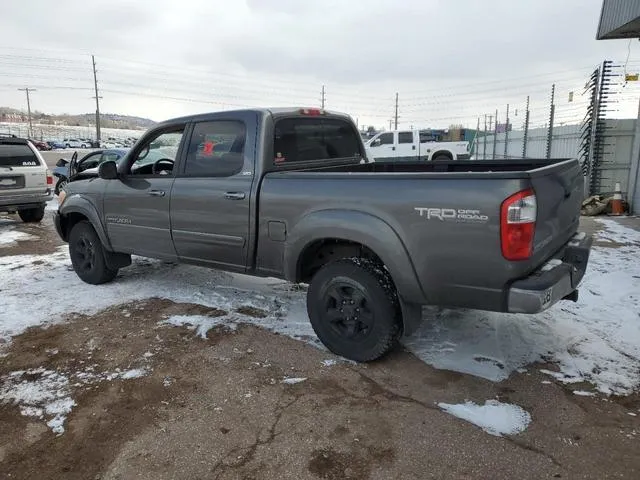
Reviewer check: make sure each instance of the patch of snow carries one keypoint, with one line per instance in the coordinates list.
(551, 264)
(8, 237)
(493, 417)
(595, 340)
(617, 232)
(329, 363)
(293, 380)
(44, 393)
(200, 323)
(52, 205)
(134, 373)
(583, 393)
(632, 414)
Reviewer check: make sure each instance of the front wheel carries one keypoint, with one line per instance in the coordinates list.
(88, 256)
(32, 215)
(353, 307)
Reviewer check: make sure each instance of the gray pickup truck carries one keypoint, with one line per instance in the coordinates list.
(288, 193)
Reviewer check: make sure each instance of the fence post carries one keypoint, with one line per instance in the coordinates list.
(477, 140)
(495, 136)
(526, 130)
(506, 134)
(551, 114)
(484, 148)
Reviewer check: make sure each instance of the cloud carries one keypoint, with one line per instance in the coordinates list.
(262, 52)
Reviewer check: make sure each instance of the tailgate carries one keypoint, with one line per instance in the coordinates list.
(559, 193)
(21, 170)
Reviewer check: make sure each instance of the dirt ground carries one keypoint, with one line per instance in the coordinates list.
(217, 408)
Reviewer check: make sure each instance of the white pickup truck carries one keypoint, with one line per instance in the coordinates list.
(413, 145)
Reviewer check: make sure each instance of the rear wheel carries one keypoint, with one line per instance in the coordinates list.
(88, 255)
(32, 215)
(354, 309)
(442, 157)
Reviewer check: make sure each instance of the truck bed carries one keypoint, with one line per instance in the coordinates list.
(453, 166)
(458, 260)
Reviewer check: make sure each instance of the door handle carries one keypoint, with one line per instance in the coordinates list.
(393, 148)
(413, 147)
(156, 193)
(234, 195)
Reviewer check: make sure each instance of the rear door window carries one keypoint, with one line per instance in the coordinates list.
(405, 137)
(17, 155)
(216, 149)
(312, 139)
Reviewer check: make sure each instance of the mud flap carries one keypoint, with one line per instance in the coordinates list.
(411, 317)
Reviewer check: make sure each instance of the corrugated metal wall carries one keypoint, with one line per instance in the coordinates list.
(616, 13)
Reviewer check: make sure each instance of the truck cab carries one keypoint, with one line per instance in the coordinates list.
(413, 145)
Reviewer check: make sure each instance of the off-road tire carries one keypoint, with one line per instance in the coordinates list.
(88, 255)
(355, 277)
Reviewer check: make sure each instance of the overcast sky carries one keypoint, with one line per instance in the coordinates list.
(450, 61)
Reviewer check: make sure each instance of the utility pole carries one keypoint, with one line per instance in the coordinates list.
(396, 116)
(390, 123)
(323, 96)
(97, 97)
(27, 90)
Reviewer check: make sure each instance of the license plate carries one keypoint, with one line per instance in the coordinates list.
(546, 297)
(7, 182)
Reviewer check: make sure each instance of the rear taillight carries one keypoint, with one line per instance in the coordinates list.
(518, 225)
(49, 178)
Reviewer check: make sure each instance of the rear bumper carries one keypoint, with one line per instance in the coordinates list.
(17, 202)
(556, 280)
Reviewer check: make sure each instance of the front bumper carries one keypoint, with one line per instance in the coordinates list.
(18, 202)
(556, 280)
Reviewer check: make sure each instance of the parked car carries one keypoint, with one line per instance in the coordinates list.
(86, 143)
(413, 145)
(56, 145)
(41, 145)
(288, 195)
(25, 181)
(72, 143)
(62, 170)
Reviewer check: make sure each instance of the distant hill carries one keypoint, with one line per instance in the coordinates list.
(107, 120)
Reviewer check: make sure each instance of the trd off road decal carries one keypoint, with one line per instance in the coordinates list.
(452, 215)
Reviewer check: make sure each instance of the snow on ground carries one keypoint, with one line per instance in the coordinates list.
(596, 339)
(493, 417)
(9, 236)
(200, 323)
(47, 394)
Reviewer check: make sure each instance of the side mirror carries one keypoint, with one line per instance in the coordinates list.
(376, 143)
(108, 170)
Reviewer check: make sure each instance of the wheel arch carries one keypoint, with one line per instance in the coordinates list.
(445, 153)
(350, 231)
(76, 209)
